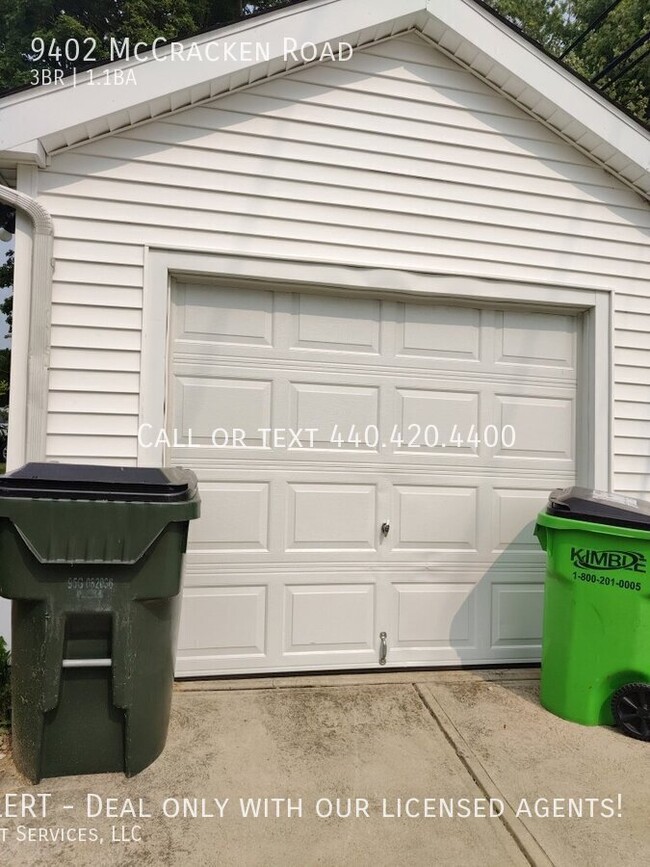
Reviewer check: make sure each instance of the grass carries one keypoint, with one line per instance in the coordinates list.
(2, 468)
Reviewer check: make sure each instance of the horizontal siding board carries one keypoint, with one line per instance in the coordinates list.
(638, 485)
(633, 446)
(86, 295)
(91, 316)
(634, 358)
(95, 338)
(636, 464)
(633, 410)
(631, 392)
(633, 321)
(94, 251)
(636, 493)
(94, 360)
(91, 423)
(633, 428)
(635, 375)
(98, 273)
(91, 446)
(102, 403)
(633, 339)
(633, 303)
(95, 381)
(95, 459)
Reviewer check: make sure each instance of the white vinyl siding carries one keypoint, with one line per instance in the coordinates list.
(95, 352)
(632, 395)
(397, 159)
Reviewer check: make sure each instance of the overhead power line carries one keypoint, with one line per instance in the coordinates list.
(593, 26)
(629, 66)
(621, 57)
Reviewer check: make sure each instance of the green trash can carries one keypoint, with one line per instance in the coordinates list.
(91, 557)
(596, 633)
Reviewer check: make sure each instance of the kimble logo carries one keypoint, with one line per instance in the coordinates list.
(586, 558)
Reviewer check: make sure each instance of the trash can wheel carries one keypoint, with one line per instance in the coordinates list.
(631, 710)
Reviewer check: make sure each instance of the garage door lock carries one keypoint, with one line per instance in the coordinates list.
(383, 648)
(385, 528)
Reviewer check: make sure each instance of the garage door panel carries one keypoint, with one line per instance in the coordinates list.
(517, 611)
(206, 404)
(332, 517)
(431, 420)
(513, 515)
(320, 411)
(434, 615)
(526, 339)
(435, 518)
(236, 316)
(335, 325)
(235, 517)
(224, 621)
(543, 427)
(334, 617)
(436, 331)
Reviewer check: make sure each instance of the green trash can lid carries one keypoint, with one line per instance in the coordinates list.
(600, 507)
(97, 482)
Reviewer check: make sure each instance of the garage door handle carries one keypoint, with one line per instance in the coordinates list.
(383, 648)
(385, 528)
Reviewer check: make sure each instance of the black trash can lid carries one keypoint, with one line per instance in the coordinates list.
(601, 507)
(95, 482)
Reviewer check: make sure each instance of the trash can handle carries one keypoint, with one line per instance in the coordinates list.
(86, 663)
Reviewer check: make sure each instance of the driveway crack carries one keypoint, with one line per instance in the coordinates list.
(527, 843)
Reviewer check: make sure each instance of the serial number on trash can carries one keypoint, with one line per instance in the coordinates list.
(90, 584)
(607, 581)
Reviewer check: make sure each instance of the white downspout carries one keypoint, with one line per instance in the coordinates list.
(30, 368)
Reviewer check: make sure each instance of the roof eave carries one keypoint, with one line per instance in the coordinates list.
(464, 30)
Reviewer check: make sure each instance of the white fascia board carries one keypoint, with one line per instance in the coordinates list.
(30, 153)
(32, 115)
(534, 69)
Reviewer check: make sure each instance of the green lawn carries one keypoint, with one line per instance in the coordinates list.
(2, 469)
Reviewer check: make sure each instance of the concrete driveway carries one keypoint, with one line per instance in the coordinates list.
(422, 768)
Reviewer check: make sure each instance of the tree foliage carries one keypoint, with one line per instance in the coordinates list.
(5, 365)
(7, 280)
(138, 20)
(555, 24)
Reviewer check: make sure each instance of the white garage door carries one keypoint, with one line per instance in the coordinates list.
(388, 462)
